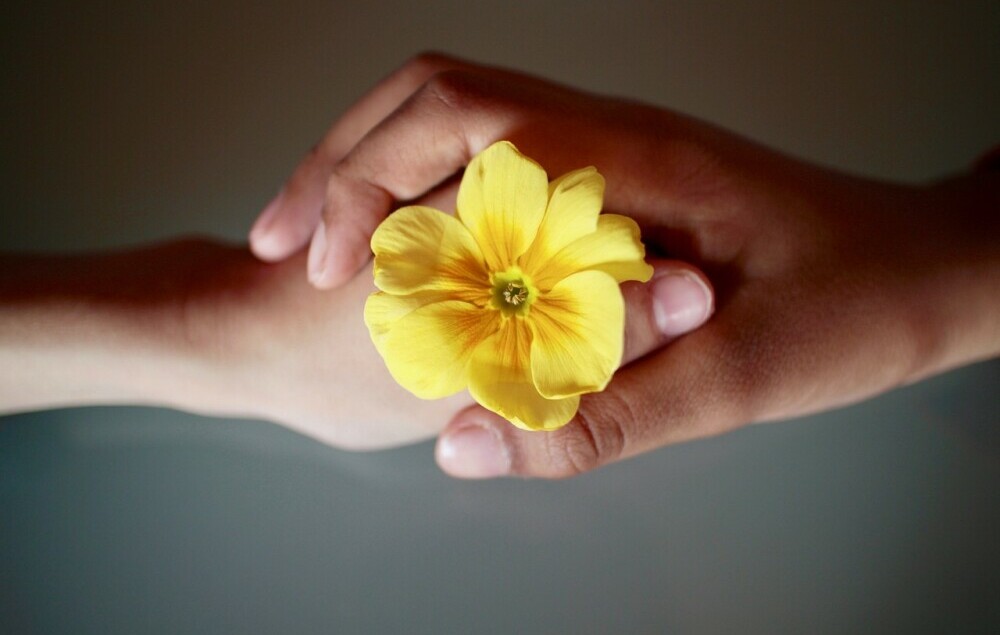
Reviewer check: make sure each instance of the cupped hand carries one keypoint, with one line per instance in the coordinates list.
(830, 288)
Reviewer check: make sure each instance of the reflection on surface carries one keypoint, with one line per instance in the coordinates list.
(127, 515)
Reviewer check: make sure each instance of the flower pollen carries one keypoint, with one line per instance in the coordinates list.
(515, 294)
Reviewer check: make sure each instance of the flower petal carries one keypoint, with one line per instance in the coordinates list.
(428, 350)
(499, 379)
(382, 310)
(502, 200)
(615, 248)
(575, 201)
(578, 330)
(418, 248)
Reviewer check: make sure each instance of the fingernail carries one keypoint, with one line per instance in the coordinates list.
(473, 451)
(263, 222)
(681, 303)
(317, 255)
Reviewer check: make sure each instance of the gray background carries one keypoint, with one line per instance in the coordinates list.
(126, 122)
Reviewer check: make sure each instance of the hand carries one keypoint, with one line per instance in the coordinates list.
(204, 327)
(830, 288)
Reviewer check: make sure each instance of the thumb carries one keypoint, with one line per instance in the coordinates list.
(676, 300)
(479, 444)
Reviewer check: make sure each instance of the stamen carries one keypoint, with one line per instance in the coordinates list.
(515, 294)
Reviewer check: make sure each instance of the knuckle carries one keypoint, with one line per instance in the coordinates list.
(571, 451)
(595, 437)
(313, 159)
(305, 172)
(335, 182)
(346, 195)
(457, 90)
(429, 62)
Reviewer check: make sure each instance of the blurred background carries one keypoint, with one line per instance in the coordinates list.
(128, 122)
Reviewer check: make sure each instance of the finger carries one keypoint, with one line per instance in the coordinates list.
(443, 197)
(425, 141)
(480, 444)
(287, 222)
(677, 300)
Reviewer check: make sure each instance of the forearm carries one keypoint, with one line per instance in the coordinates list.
(78, 330)
(205, 328)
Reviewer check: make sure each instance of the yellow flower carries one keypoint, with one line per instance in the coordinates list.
(515, 298)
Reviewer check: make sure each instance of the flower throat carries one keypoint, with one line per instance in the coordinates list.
(513, 292)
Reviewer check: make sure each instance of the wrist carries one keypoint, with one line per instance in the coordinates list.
(103, 329)
(966, 246)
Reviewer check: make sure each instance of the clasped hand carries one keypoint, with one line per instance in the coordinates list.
(781, 288)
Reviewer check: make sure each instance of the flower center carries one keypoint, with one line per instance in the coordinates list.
(513, 292)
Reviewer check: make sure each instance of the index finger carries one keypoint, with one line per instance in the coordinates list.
(285, 225)
(424, 142)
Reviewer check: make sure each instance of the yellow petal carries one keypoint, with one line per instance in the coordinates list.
(578, 330)
(382, 310)
(615, 248)
(418, 248)
(575, 201)
(502, 200)
(428, 350)
(499, 379)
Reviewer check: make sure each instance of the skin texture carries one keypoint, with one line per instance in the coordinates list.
(829, 288)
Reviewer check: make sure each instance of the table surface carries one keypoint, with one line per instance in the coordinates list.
(131, 122)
